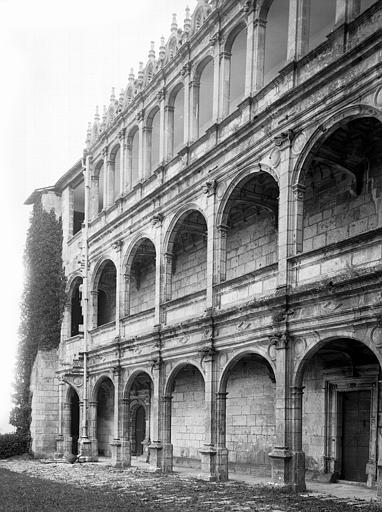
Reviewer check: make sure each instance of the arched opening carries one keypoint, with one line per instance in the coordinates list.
(237, 69)
(134, 156)
(343, 179)
(106, 292)
(153, 145)
(250, 220)
(78, 206)
(139, 429)
(340, 402)
(74, 419)
(188, 252)
(105, 417)
(322, 19)
(176, 121)
(187, 416)
(115, 177)
(100, 174)
(250, 427)
(205, 97)
(76, 318)
(141, 276)
(276, 39)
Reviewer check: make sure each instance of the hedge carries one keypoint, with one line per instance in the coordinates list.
(13, 444)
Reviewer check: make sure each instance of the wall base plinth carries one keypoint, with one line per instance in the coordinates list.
(167, 460)
(125, 453)
(116, 453)
(86, 450)
(208, 463)
(155, 454)
(59, 453)
(221, 469)
(281, 461)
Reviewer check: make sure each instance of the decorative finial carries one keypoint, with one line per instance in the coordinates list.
(112, 96)
(187, 21)
(104, 114)
(131, 75)
(174, 24)
(140, 72)
(162, 48)
(152, 51)
(96, 115)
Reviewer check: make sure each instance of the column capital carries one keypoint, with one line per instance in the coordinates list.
(284, 139)
(221, 396)
(161, 94)
(297, 391)
(299, 191)
(209, 188)
(215, 38)
(186, 69)
(117, 246)
(167, 398)
(223, 230)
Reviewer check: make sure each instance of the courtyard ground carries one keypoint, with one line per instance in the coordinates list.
(32, 485)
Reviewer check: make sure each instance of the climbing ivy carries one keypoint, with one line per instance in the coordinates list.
(42, 305)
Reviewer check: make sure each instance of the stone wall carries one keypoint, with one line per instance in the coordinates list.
(190, 271)
(44, 390)
(251, 246)
(142, 291)
(187, 418)
(332, 212)
(250, 417)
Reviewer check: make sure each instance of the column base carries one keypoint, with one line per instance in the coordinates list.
(283, 469)
(221, 464)
(125, 453)
(59, 453)
(67, 443)
(379, 482)
(116, 455)
(86, 450)
(208, 460)
(155, 455)
(167, 458)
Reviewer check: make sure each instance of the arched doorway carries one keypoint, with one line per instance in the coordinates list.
(139, 430)
(340, 403)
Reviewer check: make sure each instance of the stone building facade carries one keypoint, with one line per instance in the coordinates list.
(222, 244)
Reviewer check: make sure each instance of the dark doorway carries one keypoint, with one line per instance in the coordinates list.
(355, 434)
(140, 430)
(75, 421)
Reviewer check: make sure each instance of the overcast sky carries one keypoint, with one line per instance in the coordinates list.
(58, 61)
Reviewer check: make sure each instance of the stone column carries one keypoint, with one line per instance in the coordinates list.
(117, 246)
(147, 153)
(122, 164)
(125, 437)
(298, 460)
(225, 68)
(298, 29)
(250, 57)
(141, 170)
(157, 222)
(215, 43)
(93, 309)
(167, 284)
(116, 455)
(298, 221)
(186, 70)
(161, 96)
(126, 302)
(194, 109)
(208, 451)
(209, 189)
(129, 164)
(221, 253)
(221, 449)
(258, 54)
(167, 460)
(156, 446)
(283, 144)
(94, 188)
(93, 430)
(106, 177)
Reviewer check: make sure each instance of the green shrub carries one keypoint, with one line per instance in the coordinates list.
(13, 444)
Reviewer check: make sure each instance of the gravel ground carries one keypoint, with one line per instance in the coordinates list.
(32, 485)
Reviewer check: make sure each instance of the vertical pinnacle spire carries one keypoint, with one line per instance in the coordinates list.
(174, 24)
(152, 51)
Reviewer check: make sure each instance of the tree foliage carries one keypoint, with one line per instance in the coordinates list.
(42, 305)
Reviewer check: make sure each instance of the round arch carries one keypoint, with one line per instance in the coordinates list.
(237, 180)
(132, 378)
(222, 385)
(114, 150)
(325, 129)
(131, 249)
(174, 92)
(298, 373)
(200, 66)
(72, 281)
(180, 215)
(175, 372)
(103, 378)
(70, 389)
(233, 34)
(99, 266)
(150, 116)
(98, 166)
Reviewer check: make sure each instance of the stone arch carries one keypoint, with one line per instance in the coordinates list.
(326, 128)
(103, 397)
(184, 415)
(153, 139)
(222, 385)
(103, 291)
(234, 32)
(178, 216)
(131, 379)
(175, 119)
(235, 54)
(103, 377)
(338, 164)
(203, 90)
(335, 398)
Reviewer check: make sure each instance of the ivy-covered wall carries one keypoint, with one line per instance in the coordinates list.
(42, 306)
